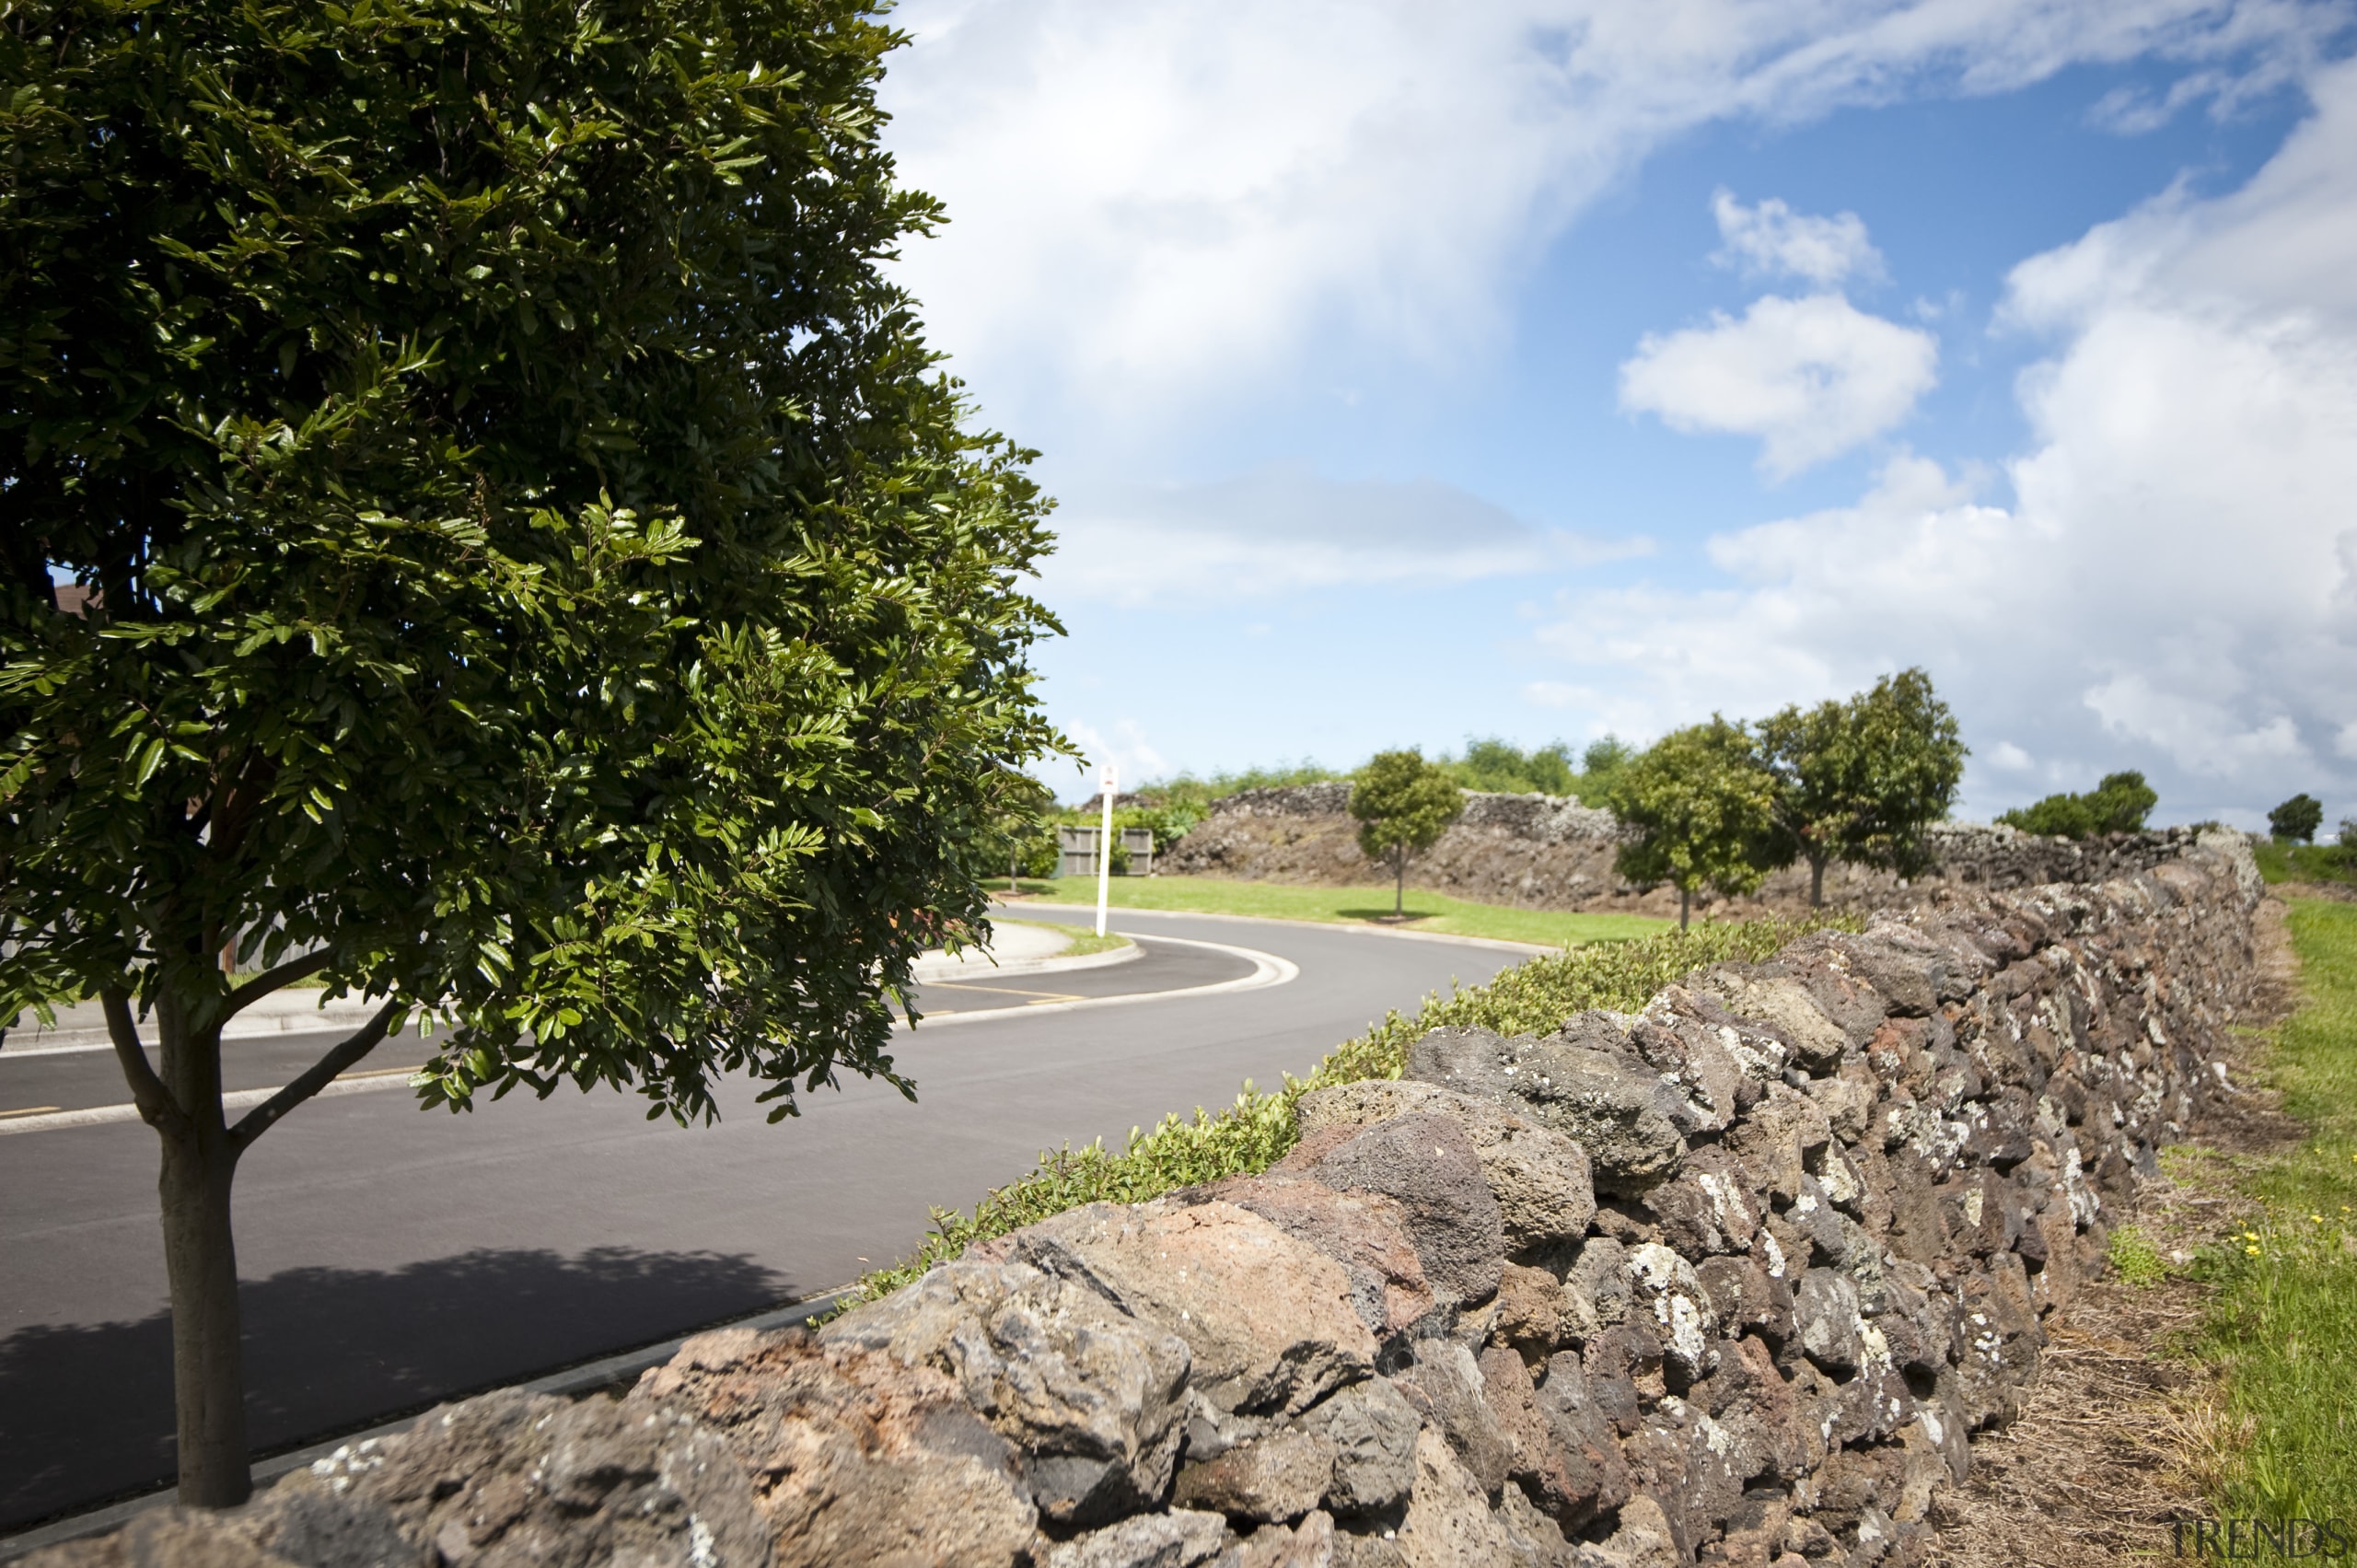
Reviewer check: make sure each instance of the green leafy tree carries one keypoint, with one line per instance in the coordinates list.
(1603, 758)
(538, 574)
(1500, 765)
(2118, 804)
(1020, 835)
(1861, 780)
(2298, 819)
(1703, 807)
(1403, 804)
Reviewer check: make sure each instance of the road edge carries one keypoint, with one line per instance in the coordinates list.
(572, 1382)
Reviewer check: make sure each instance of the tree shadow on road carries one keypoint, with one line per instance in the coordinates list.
(86, 1409)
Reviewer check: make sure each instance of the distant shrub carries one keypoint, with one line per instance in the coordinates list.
(2118, 804)
(1505, 768)
(1186, 790)
(2298, 819)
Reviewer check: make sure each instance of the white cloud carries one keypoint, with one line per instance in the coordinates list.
(1133, 758)
(2175, 584)
(1772, 239)
(1160, 203)
(1812, 377)
(2010, 757)
(1286, 527)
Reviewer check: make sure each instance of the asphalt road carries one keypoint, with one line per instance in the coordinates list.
(391, 1260)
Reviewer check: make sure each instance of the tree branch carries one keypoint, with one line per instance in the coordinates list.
(320, 1073)
(269, 980)
(157, 1107)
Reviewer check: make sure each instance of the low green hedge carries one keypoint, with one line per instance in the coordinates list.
(1256, 1131)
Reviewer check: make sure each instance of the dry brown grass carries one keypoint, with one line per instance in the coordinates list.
(2122, 1434)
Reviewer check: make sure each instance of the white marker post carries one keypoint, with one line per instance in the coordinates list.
(1105, 850)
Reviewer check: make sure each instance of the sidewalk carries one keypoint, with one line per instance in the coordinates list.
(1015, 948)
(83, 1026)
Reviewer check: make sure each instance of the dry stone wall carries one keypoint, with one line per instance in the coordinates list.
(1545, 852)
(1728, 1281)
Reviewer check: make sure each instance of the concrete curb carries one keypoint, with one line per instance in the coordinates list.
(257, 1022)
(573, 1382)
(939, 970)
(1267, 969)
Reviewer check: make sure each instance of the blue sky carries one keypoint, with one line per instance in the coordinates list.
(1587, 366)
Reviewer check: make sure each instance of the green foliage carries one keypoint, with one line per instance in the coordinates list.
(537, 564)
(1500, 766)
(2118, 804)
(1189, 792)
(1020, 833)
(1256, 1129)
(1168, 823)
(1403, 804)
(1705, 804)
(2298, 819)
(2279, 861)
(1860, 781)
(2135, 1259)
(2282, 1315)
(1603, 758)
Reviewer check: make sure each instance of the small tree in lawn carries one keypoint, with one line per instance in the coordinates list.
(540, 576)
(1703, 807)
(1861, 780)
(1403, 804)
(2298, 819)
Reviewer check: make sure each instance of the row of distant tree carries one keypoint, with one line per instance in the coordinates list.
(1721, 803)
(1717, 805)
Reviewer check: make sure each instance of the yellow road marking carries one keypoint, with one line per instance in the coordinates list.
(1004, 990)
(28, 1110)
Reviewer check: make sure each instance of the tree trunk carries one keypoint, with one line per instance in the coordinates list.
(1684, 896)
(208, 1357)
(181, 1097)
(201, 1261)
(1399, 883)
(1816, 881)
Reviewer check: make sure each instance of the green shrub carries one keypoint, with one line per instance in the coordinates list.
(1506, 768)
(1188, 793)
(1256, 1129)
(2118, 804)
(2298, 819)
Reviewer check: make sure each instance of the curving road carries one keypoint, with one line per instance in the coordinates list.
(391, 1260)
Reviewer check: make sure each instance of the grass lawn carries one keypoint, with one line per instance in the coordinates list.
(1346, 906)
(2283, 1320)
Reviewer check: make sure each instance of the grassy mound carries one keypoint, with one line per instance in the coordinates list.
(1256, 1129)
